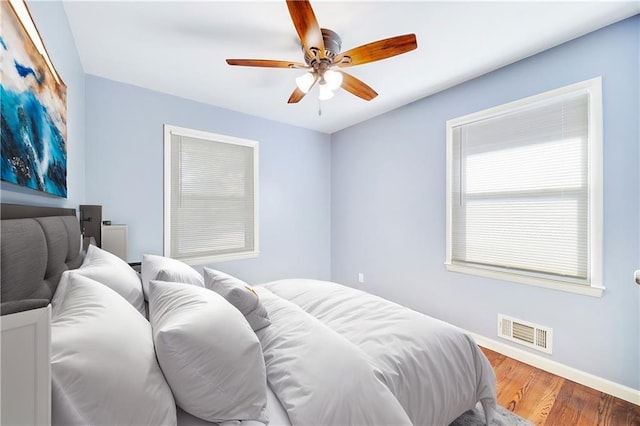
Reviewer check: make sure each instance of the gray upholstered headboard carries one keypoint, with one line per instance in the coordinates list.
(37, 244)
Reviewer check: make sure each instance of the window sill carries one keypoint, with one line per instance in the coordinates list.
(592, 290)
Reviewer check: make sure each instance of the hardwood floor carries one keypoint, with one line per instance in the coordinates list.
(546, 399)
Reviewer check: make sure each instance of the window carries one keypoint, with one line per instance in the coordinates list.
(210, 196)
(524, 191)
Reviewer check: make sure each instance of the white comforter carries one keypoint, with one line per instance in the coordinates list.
(433, 369)
(319, 376)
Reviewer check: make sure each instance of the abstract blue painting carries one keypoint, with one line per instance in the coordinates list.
(34, 112)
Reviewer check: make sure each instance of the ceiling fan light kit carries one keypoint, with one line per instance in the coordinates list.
(305, 81)
(322, 57)
(325, 93)
(333, 79)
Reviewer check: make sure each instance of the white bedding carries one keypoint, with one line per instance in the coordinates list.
(333, 356)
(338, 356)
(434, 369)
(319, 376)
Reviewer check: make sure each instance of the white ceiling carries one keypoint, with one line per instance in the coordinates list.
(180, 47)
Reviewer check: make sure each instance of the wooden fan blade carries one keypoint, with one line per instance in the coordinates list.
(298, 94)
(267, 63)
(377, 50)
(357, 87)
(307, 26)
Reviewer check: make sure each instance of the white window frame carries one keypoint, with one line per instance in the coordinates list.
(594, 287)
(182, 131)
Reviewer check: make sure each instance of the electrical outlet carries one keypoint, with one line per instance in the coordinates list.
(361, 277)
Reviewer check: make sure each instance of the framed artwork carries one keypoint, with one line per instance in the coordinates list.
(33, 106)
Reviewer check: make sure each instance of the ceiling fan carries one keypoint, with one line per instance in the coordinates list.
(323, 58)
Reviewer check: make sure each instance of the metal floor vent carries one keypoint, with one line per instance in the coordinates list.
(525, 333)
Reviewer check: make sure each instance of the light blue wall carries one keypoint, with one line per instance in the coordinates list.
(53, 26)
(124, 171)
(388, 208)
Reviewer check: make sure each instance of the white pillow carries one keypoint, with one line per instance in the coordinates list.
(103, 365)
(240, 295)
(115, 273)
(167, 269)
(208, 353)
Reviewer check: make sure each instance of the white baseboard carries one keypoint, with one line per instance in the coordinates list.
(587, 379)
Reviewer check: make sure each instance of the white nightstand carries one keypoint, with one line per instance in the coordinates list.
(114, 240)
(26, 368)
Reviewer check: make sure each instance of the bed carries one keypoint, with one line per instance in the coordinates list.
(174, 346)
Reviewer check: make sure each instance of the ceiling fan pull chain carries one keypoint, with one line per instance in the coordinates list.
(319, 107)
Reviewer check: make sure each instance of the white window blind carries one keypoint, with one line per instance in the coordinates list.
(211, 211)
(521, 195)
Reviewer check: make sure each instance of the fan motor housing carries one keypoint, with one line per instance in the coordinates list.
(332, 46)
